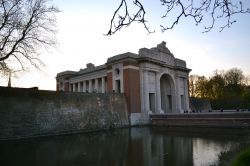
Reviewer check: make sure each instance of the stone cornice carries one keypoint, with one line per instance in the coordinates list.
(120, 57)
(66, 73)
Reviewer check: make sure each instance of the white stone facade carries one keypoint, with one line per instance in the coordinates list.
(91, 79)
(153, 81)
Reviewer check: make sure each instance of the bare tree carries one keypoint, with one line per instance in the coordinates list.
(26, 27)
(234, 76)
(200, 11)
(192, 85)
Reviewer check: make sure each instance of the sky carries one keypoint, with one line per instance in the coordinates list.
(82, 24)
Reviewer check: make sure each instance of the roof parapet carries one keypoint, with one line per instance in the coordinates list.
(180, 63)
(159, 53)
(122, 56)
(66, 73)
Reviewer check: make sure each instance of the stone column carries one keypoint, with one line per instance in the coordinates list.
(146, 95)
(74, 87)
(103, 84)
(96, 85)
(142, 91)
(177, 95)
(90, 86)
(158, 93)
(79, 86)
(84, 86)
(186, 95)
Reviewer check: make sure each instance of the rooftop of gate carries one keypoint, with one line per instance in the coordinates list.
(160, 48)
(160, 52)
(122, 56)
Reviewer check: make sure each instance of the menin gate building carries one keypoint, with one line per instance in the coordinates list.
(153, 81)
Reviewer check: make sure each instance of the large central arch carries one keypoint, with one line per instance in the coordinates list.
(167, 93)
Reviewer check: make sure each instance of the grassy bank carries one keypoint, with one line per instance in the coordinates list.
(237, 156)
(243, 159)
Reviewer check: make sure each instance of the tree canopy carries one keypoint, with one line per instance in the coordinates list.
(221, 84)
(26, 26)
(206, 12)
(230, 87)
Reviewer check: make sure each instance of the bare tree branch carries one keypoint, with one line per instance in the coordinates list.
(126, 18)
(25, 27)
(200, 12)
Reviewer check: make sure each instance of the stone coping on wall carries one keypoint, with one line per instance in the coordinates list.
(218, 119)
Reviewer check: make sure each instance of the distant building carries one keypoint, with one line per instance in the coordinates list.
(153, 81)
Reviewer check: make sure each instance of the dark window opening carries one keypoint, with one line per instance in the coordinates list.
(152, 102)
(182, 101)
(169, 102)
(118, 86)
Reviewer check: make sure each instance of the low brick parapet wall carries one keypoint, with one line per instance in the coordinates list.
(34, 113)
(229, 119)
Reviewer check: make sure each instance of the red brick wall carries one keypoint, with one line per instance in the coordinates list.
(109, 82)
(66, 87)
(131, 81)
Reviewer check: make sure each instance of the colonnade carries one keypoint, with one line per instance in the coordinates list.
(97, 85)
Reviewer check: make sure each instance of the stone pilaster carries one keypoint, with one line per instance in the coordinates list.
(74, 87)
(103, 84)
(90, 86)
(84, 86)
(158, 94)
(79, 86)
(146, 95)
(96, 85)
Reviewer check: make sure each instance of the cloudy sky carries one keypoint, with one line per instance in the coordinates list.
(83, 23)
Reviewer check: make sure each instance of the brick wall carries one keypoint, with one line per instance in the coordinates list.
(33, 113)
(131, 78)
(66, 87)
(232, 120)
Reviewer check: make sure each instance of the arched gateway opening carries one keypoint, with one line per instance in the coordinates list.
(167, 93)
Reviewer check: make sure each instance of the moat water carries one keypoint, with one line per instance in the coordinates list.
(147, 146)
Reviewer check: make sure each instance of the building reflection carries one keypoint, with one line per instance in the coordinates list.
(161, 149)
(125, 147)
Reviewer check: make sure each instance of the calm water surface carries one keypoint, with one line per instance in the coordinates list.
(125, 147)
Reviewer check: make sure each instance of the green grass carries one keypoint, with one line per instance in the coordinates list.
(243, 159)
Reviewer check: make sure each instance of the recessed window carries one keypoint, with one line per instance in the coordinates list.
(117, 71)
(117, 86)
(152, 102)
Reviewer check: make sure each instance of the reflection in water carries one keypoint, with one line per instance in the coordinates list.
(123, 147)
(157, 149)
(206, 152)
